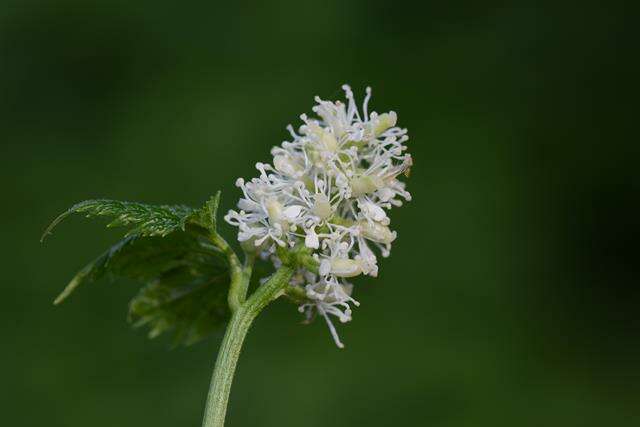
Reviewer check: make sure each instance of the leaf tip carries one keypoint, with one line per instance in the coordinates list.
(73, 284)
(63, 295)
(50, 227)
(59, 219)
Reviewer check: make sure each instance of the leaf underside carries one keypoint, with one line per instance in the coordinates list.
(185, 277)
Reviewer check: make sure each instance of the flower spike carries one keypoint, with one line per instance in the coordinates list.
(329, 190)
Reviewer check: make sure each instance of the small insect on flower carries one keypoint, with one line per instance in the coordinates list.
(329, 189)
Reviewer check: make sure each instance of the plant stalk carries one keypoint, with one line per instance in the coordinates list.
(229, 352)
(240, 283)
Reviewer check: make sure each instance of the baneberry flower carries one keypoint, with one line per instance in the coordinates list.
(319, 212)
(329, 189)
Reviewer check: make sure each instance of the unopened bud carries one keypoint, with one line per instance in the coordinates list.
(285, 165)
(328, 141)
(364, 184)
(311, 239)
(345, 267)
(384, 122)
(377, 232)
(322, 207)
(274, 210)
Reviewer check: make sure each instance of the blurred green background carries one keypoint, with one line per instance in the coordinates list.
(511, 296)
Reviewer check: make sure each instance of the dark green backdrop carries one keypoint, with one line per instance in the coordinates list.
(510, 297)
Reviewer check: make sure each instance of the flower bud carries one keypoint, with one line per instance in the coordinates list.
(364, 184)
(385, 121)
(328, 141)
(290, 213)
(274, 210)
(321, 207)
(285, 165)
(311, 239)
(345, 267)
(374, 212)
(377, 232)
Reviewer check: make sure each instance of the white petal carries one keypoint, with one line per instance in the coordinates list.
(311, 239)
(292, 212)
(325, 267)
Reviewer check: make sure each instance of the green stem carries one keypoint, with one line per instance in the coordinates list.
(229, 352)
(220, 243)
(239, 275)
(240, 284)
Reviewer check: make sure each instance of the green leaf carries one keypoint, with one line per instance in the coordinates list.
(191, 305)
(206, 216)
(186, 276)
(95, 269)
(149, 220)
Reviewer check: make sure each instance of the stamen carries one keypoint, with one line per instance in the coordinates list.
(332, 328)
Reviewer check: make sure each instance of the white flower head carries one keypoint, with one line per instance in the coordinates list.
(329, 189)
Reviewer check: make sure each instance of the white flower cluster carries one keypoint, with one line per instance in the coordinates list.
(328, 188)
